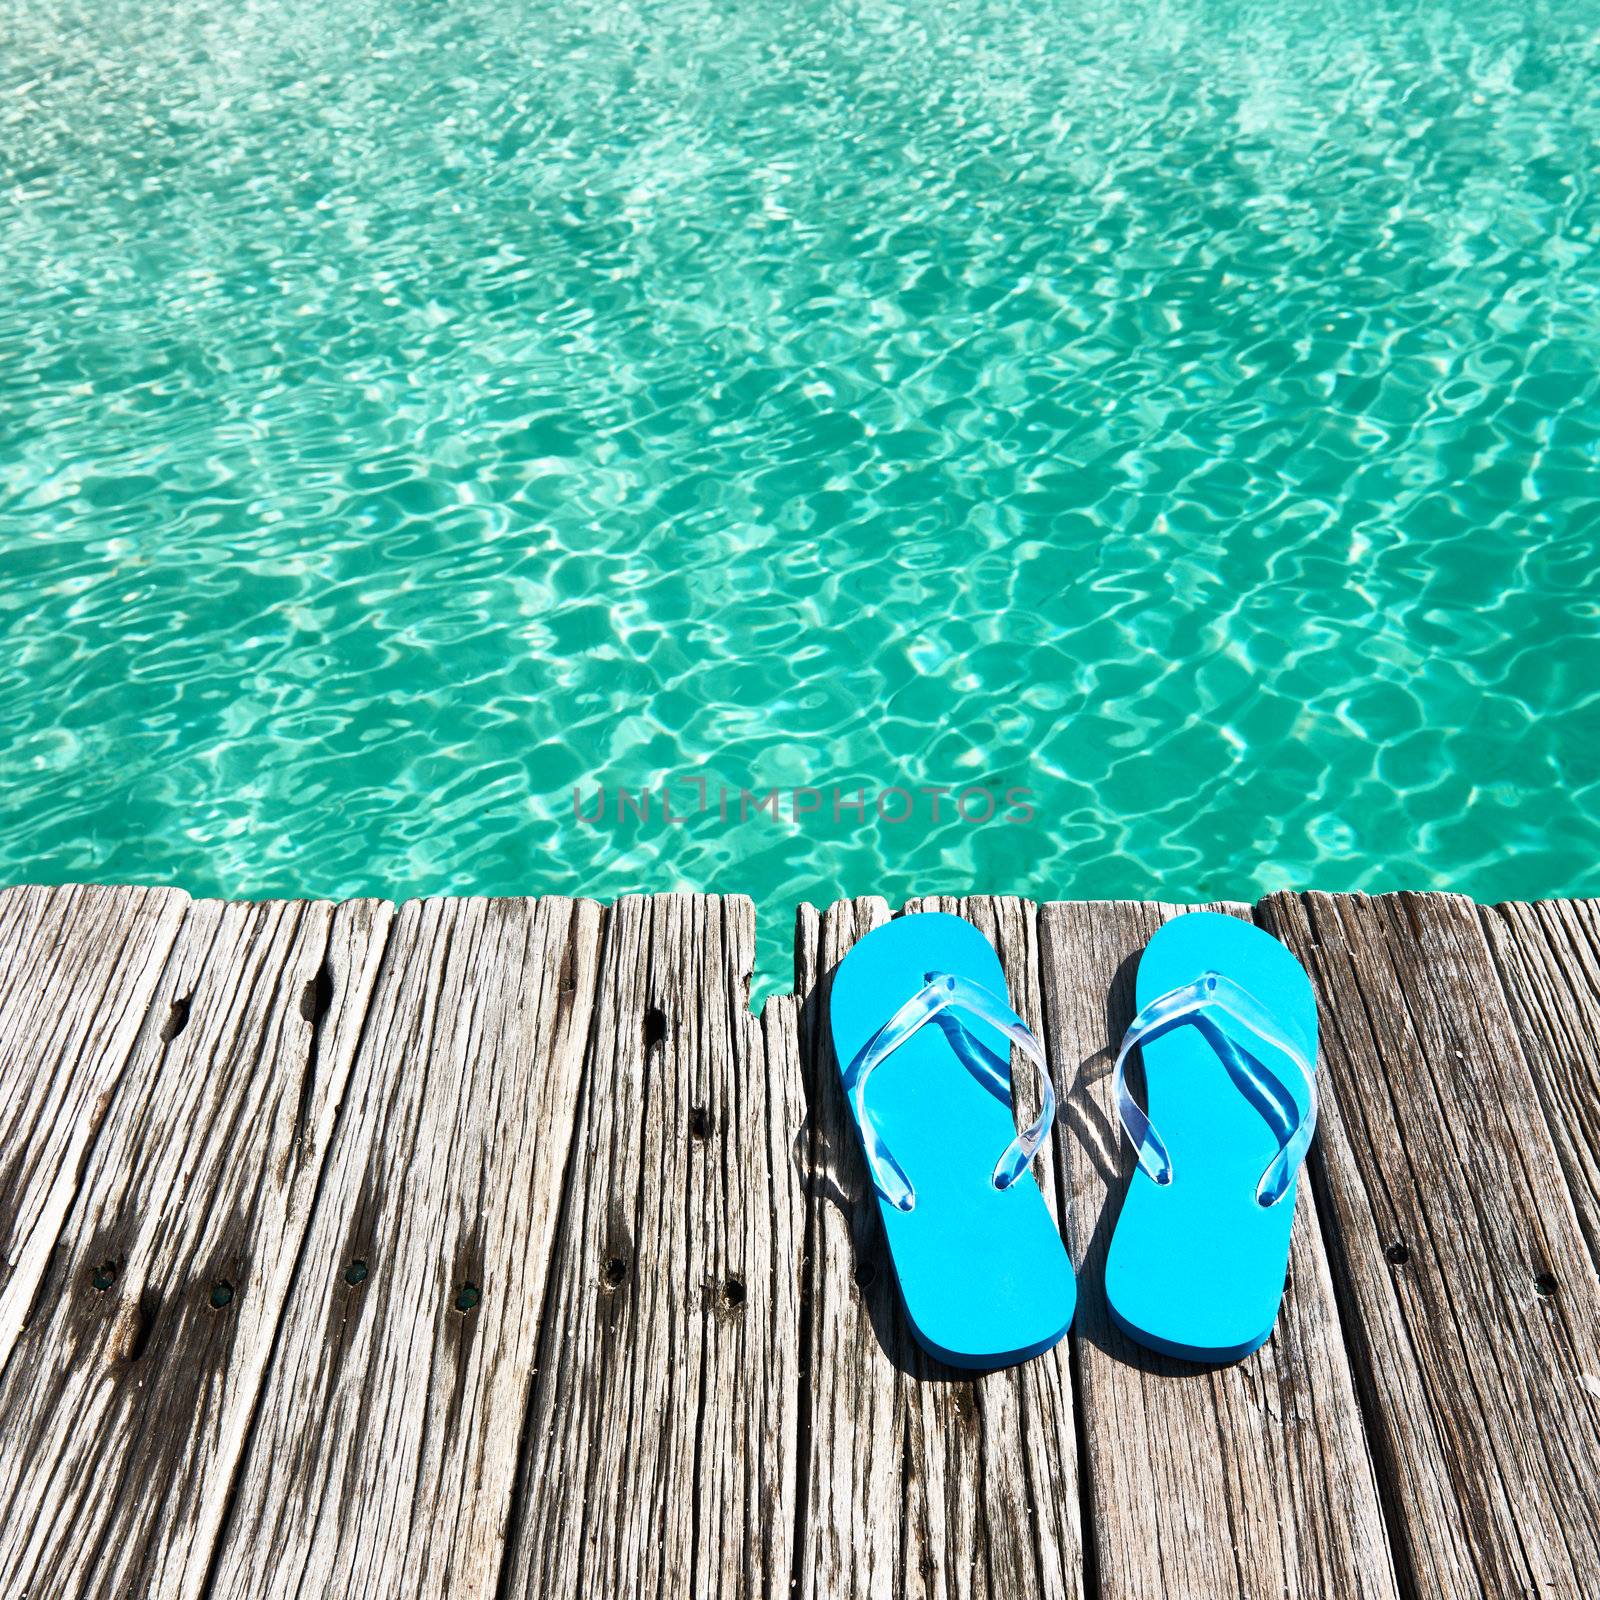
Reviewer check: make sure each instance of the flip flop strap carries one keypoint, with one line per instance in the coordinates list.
(1192, 1003)
(945, 992)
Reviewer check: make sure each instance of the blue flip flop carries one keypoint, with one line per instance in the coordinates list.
(1227, 1026)
(923, 1031)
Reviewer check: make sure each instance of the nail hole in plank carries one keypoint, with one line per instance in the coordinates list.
(177, 1019)
(317, 1000)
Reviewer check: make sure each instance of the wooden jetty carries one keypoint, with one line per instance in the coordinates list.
(492, 1248)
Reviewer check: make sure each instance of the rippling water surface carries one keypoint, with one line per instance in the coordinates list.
(412, 409)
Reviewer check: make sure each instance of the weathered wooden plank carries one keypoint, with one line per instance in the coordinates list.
(851, 1534)
(1470, 1295)
(384, 1454)
(921, 1480)
(125, 1403)
(659, 1454)
(78, 971)
(1249, 1479)
(1548, 958)
(781, 1349)
(992, 1492)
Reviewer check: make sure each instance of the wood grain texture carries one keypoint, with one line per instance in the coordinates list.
(683, 1368)
(128, 1394)
(1548, 958)
(851, 1538)
(921, 1480)
(78, 972)
(1250, 1479)
(1469, 1292)
(660, 1443)
(383, 1458)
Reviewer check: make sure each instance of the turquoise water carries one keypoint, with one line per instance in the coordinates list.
(1186, 412)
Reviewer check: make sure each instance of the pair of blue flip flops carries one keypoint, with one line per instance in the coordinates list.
(1227, 1027)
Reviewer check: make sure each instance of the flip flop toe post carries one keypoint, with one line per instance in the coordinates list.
(1226, 1024)
(923, 1035)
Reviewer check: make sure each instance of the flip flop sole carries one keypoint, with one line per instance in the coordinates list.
(983, 1275)
(1196, 1267)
